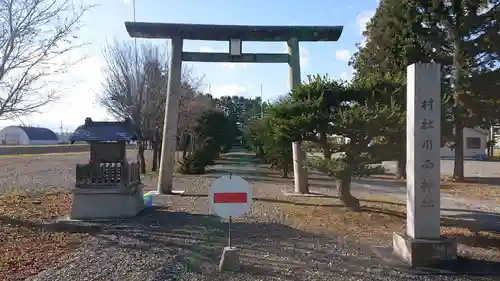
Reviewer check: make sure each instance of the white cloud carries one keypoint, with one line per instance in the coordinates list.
(347, 75)
(206, 49)
(126, 1)
(343, 55)
(233, 65)
(304, 58)
(363, 18)
(228, 90)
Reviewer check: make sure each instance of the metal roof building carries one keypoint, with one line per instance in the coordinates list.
(21, 135)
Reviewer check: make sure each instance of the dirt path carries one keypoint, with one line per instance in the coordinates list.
(183, 241)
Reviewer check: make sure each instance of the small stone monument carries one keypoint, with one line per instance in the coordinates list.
(108, 187)
(422, 244)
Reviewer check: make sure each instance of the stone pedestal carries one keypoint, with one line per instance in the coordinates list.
(424, 252)
(106, 203)
(230, 260)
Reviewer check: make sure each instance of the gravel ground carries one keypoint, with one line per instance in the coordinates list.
(184, 241)
(40, 173)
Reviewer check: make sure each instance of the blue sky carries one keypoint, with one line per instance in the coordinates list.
(106, 22)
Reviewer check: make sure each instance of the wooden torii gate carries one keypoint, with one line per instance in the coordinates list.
(235, 35)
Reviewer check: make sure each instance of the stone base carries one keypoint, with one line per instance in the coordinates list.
(424, 252)
(230, 260)
(106, 203)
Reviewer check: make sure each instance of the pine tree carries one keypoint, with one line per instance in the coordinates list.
(467, 33)
(392, 44)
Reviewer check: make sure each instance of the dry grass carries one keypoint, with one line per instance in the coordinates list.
(474, 188)
(27, 243)
(380, 217)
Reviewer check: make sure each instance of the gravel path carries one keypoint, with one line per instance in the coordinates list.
(184, 242)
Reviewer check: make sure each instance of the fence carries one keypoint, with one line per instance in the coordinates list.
(108, 174)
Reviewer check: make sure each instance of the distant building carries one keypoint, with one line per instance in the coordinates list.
(475, 144)
(21, 135)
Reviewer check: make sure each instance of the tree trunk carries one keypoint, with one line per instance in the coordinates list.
(327, 154)
(401, 161)
(159, 143)
(401, 169)
(458, 169)
(459, 73)
(141, 158)
(284, 171)
(154, 147)
(344, 191)
(185, 144)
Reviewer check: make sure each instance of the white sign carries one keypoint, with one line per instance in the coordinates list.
(230, 196)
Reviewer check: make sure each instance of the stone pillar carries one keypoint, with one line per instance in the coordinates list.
(299, 156)
(169, 142)
(422, 244)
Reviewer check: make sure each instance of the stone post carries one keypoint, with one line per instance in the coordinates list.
(169, 143)
(299, 156)
(422, 244)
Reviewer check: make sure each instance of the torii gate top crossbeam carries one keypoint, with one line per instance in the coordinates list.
(213, 32)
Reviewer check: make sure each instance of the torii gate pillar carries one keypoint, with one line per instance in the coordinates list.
(233, 34)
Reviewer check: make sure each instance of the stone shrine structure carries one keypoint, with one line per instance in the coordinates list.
(108, 186)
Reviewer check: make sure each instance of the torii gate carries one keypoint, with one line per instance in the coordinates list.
(235, 35)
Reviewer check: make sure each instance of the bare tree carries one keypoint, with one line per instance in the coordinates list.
(135, 87)
(34, 36)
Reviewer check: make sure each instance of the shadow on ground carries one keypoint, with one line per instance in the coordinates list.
(484, 227)
(267, 249)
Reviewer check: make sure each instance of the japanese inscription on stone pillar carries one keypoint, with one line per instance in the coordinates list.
(428, 146)
(423, 150)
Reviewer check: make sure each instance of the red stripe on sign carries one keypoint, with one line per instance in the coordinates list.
(230, 197)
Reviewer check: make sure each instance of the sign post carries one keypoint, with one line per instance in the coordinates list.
(230, 196)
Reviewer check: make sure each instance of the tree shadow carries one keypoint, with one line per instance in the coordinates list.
(484, 225)
(265, 247)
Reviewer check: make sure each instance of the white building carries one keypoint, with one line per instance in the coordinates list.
(20, 135)
(475, 141)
